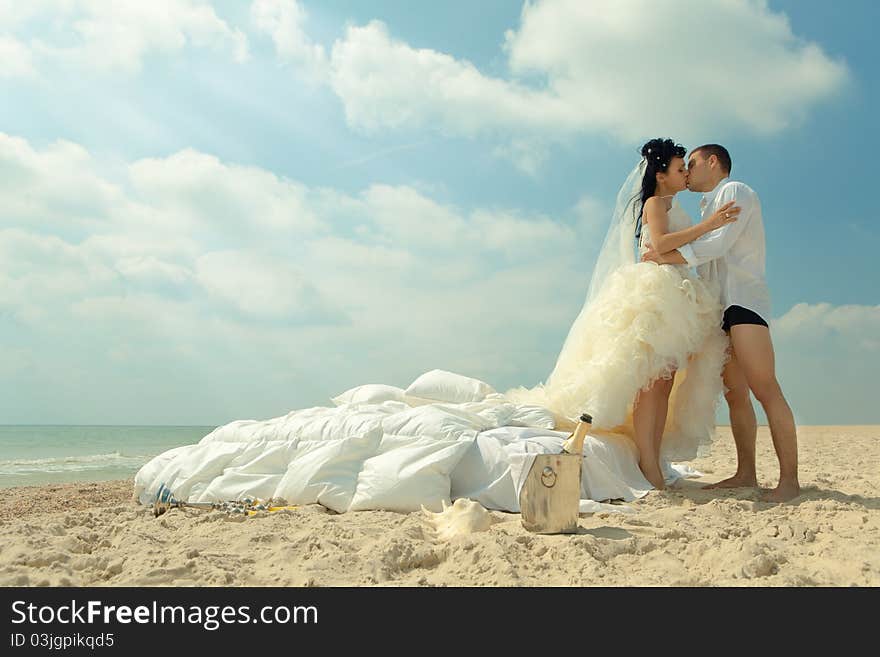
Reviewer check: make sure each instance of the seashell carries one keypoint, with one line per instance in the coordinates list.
(463, 517)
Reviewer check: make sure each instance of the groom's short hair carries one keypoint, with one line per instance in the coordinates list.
(718, 151)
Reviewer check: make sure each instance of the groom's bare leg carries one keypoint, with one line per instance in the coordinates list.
(754, 352)
(743, 425)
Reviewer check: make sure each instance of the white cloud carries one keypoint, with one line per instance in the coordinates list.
(854, 327)
(601, 66)
(575, 67)
(827, 359)
(203, 192)
(40, 275)
(521, 237)
(132, 240)
(15, 58)
(203, 268)
(56, 188)
(386, 83)
(739, 58)
(405, 216)
(74, 236)
(528, 155)
(263, 287)
(283, 20)
(347, 254)
(151, 273)
(112, 36)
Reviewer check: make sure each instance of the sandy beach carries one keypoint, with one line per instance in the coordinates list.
(95, 534)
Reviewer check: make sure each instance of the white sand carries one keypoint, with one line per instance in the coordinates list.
(94, 534)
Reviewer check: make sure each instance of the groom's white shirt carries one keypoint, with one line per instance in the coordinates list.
(733, 256)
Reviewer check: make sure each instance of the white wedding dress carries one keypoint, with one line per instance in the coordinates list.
(646, 320)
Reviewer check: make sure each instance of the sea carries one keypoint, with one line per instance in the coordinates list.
(35, 455)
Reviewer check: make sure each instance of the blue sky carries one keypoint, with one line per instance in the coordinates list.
(217, 211)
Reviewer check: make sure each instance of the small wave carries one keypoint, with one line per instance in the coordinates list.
(72, 463)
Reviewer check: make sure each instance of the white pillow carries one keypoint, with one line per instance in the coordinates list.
(434, 421)
(448, 387)
(371, 393)
(408, 473)
(417, 401)
(532, 416)
(328, 423)
(496, 414)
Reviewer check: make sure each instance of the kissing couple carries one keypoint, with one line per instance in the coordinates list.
(656, 344)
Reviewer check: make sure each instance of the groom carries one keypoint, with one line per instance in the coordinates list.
(732, 257)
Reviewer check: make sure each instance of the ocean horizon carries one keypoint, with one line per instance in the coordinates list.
(36, 454)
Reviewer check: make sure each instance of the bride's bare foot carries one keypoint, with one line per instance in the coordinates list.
(784, 492)
(652, 473)
(736, 481)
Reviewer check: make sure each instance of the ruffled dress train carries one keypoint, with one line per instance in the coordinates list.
(645, 322)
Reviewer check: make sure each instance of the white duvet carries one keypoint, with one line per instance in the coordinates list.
(396, 455)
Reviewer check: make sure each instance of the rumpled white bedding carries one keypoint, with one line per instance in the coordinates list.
(390, 456)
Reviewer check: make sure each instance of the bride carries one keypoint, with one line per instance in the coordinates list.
(644, 355)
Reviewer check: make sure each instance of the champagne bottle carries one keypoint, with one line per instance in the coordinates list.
(574, 444)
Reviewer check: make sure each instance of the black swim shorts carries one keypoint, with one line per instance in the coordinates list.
(738, 315)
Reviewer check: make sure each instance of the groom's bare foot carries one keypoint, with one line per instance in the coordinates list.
(784, 492)
(736, 481)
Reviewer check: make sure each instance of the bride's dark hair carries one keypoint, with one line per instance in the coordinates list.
(658, 153)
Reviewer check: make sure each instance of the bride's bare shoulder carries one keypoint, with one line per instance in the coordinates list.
(655, 206)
